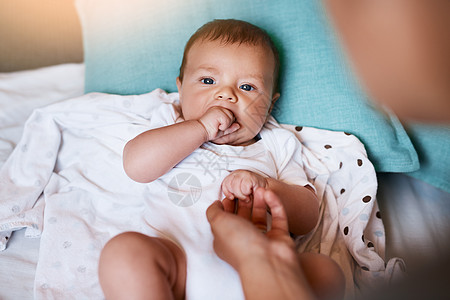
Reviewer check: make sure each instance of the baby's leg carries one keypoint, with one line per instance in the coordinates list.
(136, 266)
(324, 275)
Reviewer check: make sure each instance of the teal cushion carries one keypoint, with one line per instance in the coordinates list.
(133, 47)
(433, 145)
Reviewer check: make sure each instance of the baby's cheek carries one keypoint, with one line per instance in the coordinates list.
(255, 117)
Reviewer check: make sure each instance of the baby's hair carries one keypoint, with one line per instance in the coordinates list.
(232, 31)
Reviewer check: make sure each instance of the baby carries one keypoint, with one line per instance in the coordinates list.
(227, 89)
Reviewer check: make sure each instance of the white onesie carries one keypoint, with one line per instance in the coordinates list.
(177, 201)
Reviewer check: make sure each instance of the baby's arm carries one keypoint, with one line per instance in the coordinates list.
(155, 152)
(300, 202)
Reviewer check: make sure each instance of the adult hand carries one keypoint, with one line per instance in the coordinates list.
(236, 236)
(266, 262)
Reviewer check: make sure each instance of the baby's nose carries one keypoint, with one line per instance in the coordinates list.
(226, 94)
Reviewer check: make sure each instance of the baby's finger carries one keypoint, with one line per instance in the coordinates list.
(225, 139)
(237, 183)
(226, 189)
(246, 187)
(233, 128)
(229, 113)
(226, 120)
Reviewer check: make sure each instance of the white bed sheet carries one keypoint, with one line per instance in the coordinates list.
(20, 93)
(18, 267)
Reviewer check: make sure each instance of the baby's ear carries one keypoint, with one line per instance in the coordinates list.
(274, 99)
(179, 85)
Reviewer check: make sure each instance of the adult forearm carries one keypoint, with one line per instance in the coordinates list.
(300, 203)
(155, 152)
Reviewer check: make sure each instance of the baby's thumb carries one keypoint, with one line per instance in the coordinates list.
(234, 127)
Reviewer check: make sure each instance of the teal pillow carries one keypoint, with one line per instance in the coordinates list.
(433, 145)
(133, 47)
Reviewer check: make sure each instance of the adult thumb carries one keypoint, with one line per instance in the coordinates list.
(215, 209)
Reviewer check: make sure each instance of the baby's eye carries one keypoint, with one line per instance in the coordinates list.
(247, 87)
(207, 81)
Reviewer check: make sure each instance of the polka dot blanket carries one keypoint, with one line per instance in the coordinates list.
(64, 182)
(350, 229)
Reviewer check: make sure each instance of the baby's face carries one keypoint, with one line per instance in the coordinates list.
(236, 77)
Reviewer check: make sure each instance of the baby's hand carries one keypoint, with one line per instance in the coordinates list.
(218, 121)
(242, 184)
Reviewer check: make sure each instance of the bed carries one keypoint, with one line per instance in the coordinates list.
(408, 225)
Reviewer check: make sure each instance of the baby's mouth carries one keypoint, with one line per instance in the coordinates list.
(229, 109)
